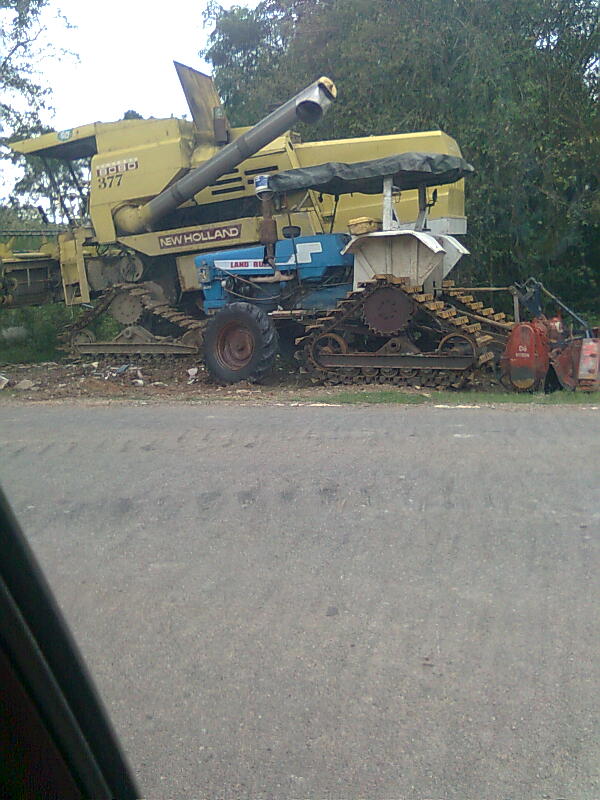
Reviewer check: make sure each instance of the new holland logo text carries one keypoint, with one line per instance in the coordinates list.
(190, 238)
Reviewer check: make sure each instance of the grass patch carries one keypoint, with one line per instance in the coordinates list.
(397, 396)
(374, 396)
(40, 327)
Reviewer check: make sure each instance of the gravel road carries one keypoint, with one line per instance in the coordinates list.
(344, 602)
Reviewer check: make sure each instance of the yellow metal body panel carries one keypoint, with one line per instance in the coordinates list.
(283, 154)
(74, 143)
(134, 160)
(202, 99)
(72, 267)
(187, 272)
(215, 236)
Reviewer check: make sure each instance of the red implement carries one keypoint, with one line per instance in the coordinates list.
(525, 360)
(536, 348)
(589, 365)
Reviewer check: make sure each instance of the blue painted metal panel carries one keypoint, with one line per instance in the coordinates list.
(310, 257)
(324, 298)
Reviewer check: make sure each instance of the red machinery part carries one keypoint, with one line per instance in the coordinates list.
(525, 360)
(589, 365)
(565, 360)
(577, 364)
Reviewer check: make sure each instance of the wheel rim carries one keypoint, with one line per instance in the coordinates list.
(235, 346)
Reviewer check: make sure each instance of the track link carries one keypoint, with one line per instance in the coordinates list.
(493, 323)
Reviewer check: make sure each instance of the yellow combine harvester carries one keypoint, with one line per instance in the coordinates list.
(163, 191)
(206, 238)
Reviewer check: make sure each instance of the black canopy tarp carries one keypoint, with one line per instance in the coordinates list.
(409, 171)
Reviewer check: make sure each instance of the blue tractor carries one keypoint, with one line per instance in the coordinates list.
(373, 305)
(261, 306)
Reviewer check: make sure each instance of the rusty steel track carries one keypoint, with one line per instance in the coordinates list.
(348, 344)
(189, 343)
(333, 349)
(493, 323)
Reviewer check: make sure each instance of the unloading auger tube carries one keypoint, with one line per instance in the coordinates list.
(308, 106)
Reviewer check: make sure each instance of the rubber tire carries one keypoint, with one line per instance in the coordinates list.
(266, 343)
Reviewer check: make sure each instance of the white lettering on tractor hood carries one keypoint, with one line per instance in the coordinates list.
(304, 251)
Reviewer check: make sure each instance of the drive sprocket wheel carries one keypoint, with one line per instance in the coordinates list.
(387, 311)
(126, 308)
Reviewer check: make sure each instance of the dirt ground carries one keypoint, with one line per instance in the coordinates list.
(152, 380)
(141, 379)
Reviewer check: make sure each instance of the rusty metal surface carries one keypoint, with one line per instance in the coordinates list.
(151, 299)
(423, 314)
(420, 361)
(126, 308)
(388, 310)
(159, 348)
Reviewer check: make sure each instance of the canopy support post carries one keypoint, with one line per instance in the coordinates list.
(388, 211)
(422, 218)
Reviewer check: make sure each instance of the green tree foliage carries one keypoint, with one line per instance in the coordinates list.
(53, 186)
(516, 82)
(22, 95)
(24, 102)
(39, 328)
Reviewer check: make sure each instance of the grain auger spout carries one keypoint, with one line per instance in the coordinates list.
(308, 106)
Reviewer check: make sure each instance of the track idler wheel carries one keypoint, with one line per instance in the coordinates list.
(193, 338)
(457, 344)
(84, 336)
(240, 343)
(328, 344)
